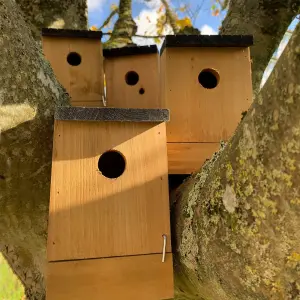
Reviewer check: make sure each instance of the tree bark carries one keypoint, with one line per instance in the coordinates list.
(209, 239)
(29, 93)
(125, 27)
(236, 222)
(268, 21)
(70, 14)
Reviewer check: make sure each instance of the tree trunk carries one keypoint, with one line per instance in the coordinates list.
(236, 222)
(268, 21)
(29, 93)
(124, 28)
(70, 14)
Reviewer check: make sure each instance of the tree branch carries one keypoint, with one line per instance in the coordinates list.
(267, 20)
(106, 22)
(124, 28)
(71, 14)
(170, 16)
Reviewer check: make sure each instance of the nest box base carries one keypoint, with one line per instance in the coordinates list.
(186, 158)
(133, 277)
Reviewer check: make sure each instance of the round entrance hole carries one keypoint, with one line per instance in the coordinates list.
(209, 78)
(142, 91)
(74, 59)
(111, 164)
(132, 78)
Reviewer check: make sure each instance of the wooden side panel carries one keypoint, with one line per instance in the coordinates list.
(186, 158)
(84, 82)
(206, 115)
(93, 216)
(87, 79)
(56, 51)
(162, 82)
(135, 277)
(120, 94)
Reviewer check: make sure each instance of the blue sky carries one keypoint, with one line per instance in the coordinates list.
(98, 11)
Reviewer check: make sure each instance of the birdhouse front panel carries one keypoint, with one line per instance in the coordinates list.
(132, 77)
(77, 61)
(134, 277)
(186, 158)
(109, 185)
(206, 85)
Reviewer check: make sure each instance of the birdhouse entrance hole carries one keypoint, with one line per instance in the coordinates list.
(111, 164)
(132, 78)
(208, 78)
(74, 59)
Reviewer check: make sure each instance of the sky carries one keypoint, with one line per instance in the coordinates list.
(145, 15)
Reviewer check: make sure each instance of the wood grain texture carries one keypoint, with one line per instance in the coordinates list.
(127, 278)
(92, 216)
(200, 114)
(111, 114)
(120, 94)
(186, 158)
(85, 82)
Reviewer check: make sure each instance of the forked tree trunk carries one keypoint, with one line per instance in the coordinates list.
(211, 241)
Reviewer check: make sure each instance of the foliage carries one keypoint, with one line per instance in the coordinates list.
(11, 288)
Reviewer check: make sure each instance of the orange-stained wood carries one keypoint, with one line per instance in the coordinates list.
(127, 278)
(186, 158)
(199, 114)
(120, 94)
(84, 82)
(93, 216)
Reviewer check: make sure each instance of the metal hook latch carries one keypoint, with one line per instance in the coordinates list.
(104, 100)
(164, 247)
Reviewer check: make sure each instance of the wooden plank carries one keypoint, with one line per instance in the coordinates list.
(120, 94)
(85, 82)
(56, 52)
(186, 158)
(199, 114)
(135, 277)
(87, 79)
(93, 216)
(111, 114)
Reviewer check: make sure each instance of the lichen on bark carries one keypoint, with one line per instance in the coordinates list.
(29, 94)
(69, 14)
(124, 28)
(243, 208)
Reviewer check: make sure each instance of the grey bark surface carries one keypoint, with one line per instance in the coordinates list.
(29, 93)
(267, 20)
(236, 222)
(69, 14)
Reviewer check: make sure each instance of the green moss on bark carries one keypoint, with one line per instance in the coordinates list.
(244, 217)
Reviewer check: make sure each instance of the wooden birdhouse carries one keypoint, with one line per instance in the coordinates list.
(206, 85)
(77, 61)
(132, 77)
(109, 223)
